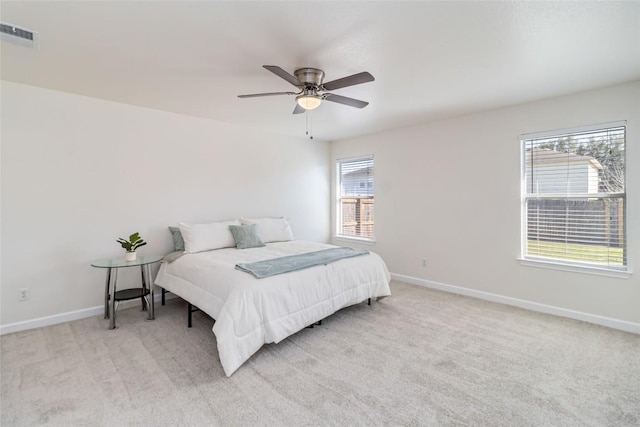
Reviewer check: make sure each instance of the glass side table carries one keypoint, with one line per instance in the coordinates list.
(112, 296)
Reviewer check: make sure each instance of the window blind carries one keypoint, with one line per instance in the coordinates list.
(356, 198)
(574, 197)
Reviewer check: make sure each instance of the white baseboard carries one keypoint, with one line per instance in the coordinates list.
(609, 322)
(70, 316)
(529, 305)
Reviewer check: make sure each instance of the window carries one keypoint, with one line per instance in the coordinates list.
(355, 198)
(574, 197)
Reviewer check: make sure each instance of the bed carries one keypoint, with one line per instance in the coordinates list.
(251, 312)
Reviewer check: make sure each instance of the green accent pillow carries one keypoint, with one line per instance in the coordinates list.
(246, 236)
(178, 241)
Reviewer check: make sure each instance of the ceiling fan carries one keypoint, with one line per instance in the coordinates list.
(311, 89)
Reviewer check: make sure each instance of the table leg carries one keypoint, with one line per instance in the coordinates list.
(147, 271)
(106, 294)
(144, 287)
(112, 303)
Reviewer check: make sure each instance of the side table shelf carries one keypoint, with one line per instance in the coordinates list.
(133, 293)
(112, 295)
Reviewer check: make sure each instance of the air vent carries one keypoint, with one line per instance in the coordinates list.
(17, 35)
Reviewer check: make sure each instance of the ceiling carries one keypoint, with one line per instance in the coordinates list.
(431, 60)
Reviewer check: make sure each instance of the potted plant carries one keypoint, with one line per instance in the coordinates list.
(134, 242)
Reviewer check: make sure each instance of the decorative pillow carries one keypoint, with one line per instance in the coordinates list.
(205, 237)
(271, 229)
(246, 236)
(178, 241)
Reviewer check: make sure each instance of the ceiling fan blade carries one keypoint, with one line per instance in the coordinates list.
(255, 95)
(298, 109)
(353, 80)
(346, 101)
(282, 74)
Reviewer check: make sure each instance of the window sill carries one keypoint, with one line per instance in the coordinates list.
(355, 240)
(619, 274)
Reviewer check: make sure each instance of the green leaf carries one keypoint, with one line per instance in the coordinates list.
(138, 244)
(134, 242)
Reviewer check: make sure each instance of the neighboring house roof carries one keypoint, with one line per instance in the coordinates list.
(544, 157)
(358, 173)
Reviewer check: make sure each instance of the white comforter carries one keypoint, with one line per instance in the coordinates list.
(251, 312)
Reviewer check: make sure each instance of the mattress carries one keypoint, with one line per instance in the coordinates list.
(251, 312)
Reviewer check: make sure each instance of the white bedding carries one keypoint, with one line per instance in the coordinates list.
(251, 312)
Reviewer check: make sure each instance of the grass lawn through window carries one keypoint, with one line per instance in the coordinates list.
(576, 252)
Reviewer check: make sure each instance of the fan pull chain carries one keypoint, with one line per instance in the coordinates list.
(309, 123)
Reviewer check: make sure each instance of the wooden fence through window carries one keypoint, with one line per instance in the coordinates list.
(357, 217)
(598, 222)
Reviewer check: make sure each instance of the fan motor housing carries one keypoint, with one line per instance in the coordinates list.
(309, 76)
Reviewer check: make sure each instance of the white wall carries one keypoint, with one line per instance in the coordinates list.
(449, 191)
(78, 172)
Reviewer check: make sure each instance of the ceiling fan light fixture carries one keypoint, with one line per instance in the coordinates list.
(309, 102)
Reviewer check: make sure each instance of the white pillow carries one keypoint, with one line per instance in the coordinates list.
(205, 237)
(271, 229)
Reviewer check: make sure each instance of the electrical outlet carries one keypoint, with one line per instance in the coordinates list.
(23, 294)
(424, 262)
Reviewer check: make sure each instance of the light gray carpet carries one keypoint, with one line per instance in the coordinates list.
(420, 357)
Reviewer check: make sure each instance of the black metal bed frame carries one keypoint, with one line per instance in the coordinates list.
(192, 309)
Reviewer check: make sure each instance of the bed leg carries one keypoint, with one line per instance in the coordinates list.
(164, 291)
(369, 302)
(318, 323)
(191, 309)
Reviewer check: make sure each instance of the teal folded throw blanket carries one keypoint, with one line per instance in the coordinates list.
(272, 267)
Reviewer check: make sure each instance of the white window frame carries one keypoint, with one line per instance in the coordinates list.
(558, 263)
(338, 203)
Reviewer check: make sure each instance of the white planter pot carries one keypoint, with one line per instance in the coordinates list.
(130, 256)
